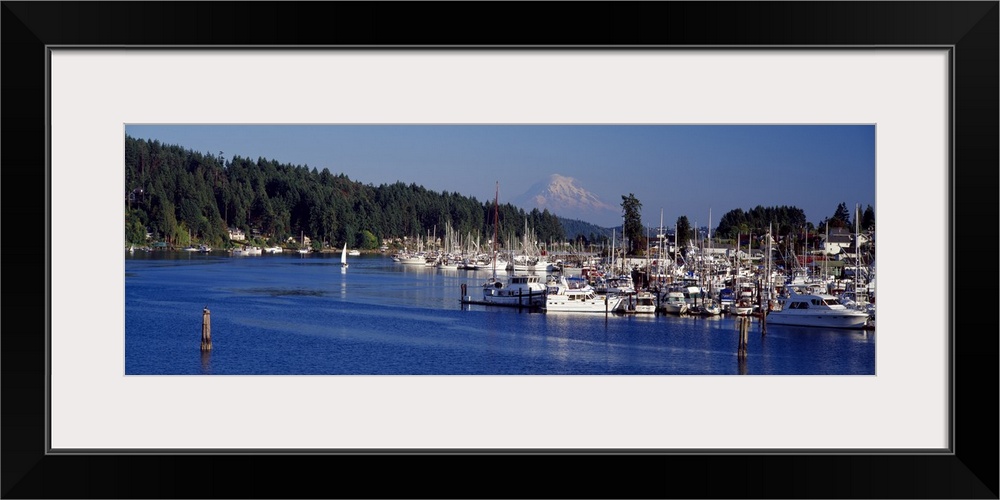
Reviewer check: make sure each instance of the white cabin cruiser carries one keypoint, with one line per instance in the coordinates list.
(815, 310)
(524, 290)
(578, 296)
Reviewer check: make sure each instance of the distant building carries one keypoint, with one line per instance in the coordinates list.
(838, 240)
(236, 234)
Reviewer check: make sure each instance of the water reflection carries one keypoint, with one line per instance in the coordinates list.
(408, 320)
(206, 362)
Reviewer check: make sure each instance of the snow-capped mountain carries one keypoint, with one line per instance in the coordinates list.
(564, 197)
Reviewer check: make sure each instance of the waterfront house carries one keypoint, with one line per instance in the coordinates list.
(838, 240)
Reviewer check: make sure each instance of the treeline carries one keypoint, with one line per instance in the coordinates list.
(785, 221)
(585, 233)
(181, 197)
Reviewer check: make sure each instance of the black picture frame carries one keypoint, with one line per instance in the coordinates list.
(969, 28)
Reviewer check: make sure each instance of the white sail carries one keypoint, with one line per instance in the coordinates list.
(343, 256)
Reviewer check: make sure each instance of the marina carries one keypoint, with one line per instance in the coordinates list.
(304, 314)
(559, 275)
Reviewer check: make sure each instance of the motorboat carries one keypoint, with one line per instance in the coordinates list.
(566, 295)
(408, 258)
(674, 302)
(449, 263)
(643, 303)
(245, 251)
(815, 309)
(522, 290)
(743, 306)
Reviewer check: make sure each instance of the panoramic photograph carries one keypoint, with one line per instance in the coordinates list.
(499, 249)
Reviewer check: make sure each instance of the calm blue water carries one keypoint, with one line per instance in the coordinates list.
(301, 314)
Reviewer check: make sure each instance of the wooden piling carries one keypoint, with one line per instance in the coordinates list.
(206, 330)
(763, 306)
(744, 328)
(763, 320)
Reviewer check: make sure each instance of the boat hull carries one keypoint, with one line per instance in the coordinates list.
(517, 291)
(601, 304)
(675, 308)
(510, 297)
(818, 320)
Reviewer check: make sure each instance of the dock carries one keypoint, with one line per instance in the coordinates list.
(467, 300)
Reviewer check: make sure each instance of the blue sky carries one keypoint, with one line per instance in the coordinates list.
(681, 169)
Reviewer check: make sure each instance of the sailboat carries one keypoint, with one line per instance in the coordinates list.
(519, 290)
(303, 249)
(343, 257)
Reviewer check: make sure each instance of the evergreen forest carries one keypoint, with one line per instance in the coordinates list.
(181, 197)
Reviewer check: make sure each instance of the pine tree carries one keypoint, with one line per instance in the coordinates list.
(842, 217)
(631, 209)
(868, 219)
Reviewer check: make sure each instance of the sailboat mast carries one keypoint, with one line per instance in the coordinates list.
(736, 279)
(612, 249)
(826, 251)
(768, 281)
(496, 228)
(677, 248)
(659, 251)
(857, 256)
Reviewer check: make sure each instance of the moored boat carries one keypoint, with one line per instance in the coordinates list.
(707, 308)
(521, 290)
(815, 310)
(674, 302)
(408, 258)
(743, 306)
(578, 296)
(641, 303)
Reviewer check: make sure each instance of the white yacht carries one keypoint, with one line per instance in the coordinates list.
(405, 257)
(521, 290)
(578, 296)
(815, 309)
(674, 302)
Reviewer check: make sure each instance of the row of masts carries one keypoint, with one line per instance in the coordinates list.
(712, 274)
